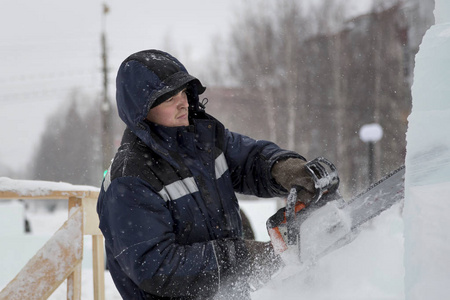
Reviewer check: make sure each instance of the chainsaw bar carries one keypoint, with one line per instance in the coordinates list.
(331, 226)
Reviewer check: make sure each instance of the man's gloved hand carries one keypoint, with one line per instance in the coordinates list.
(263, 262)
(293, 172)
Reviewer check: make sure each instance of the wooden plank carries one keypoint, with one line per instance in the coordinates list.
(51, 265)
(74, 284)
(74, 279)
(98, 266)
(48, 195)
(91, 221)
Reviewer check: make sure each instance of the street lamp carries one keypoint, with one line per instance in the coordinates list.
(370, 134)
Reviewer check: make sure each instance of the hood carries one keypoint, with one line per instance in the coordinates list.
(145, 77)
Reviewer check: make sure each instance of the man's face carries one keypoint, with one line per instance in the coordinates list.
(171, 113)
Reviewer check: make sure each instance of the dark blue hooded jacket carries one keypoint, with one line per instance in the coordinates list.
(167, 206)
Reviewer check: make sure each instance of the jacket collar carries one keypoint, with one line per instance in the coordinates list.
(171, 138)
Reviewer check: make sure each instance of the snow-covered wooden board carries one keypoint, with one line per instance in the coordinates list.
(52, 264)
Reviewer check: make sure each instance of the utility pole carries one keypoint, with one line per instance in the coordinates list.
(105, 107)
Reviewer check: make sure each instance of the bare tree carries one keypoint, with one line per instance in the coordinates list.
(253, 58)
(322, 77)
(292, 27)
(70, 147)
(266, 58)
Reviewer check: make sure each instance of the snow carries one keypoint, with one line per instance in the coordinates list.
(332, 219)
(13, 212)
(371, 267)
(39, 188)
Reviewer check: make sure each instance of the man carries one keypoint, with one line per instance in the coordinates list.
(167, 205)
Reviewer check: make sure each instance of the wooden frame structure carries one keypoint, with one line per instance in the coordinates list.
(60, 258)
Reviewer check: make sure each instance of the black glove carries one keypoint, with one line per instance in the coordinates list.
(293, 172)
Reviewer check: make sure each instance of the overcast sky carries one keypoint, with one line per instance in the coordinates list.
(50, 47)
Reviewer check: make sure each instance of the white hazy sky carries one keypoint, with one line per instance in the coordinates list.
(50, 47)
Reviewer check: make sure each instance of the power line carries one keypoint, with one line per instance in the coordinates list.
(50, 76)
(38, 96)
(38, 85)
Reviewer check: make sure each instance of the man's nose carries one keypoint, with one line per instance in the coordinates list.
(183, 102)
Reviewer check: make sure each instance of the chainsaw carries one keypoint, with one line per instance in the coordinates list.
(315, 227)
(283, 227)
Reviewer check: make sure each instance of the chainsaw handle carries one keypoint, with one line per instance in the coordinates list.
(290, 215)
(325, 177)
(283, 227)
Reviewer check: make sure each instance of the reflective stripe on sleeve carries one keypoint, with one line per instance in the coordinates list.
(107, 180)
(220, 165)
(178, 189)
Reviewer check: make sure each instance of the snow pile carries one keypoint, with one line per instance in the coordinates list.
(427, 235)
(39, 188)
